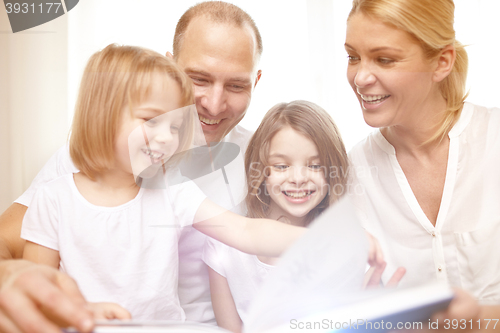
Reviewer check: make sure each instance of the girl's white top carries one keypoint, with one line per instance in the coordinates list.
(245, 273)
(462, 248)
(125, 254)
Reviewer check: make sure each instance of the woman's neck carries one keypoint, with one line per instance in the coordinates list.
(413, 138)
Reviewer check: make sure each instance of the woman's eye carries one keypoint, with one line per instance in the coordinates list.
(352, 59)
(385, 61)
(174, 129)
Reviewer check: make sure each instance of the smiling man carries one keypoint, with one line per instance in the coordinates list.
(219, 47)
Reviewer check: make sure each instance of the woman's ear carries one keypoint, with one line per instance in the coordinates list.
(445, 62)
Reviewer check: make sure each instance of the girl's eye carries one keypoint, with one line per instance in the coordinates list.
(315, 167)
(174, 129)
(280, 167)
(150, 121)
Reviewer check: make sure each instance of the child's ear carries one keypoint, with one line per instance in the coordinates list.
(169, 55)
(445, 62)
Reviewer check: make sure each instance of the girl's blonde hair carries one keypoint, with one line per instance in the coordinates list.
(316, 124)
(115, 78)
(430, 22)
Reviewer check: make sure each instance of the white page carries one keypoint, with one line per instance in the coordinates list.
(326, 264)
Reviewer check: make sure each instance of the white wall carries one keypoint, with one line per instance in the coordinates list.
(303, 58)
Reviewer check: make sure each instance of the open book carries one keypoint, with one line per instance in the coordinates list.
(317, 285)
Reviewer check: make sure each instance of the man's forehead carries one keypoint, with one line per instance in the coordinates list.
(206, 37)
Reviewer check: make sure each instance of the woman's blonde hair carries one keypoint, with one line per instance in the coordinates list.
(115, 78)
(430, 22)
(316, 124)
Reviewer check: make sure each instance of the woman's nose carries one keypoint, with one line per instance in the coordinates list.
(364, 77)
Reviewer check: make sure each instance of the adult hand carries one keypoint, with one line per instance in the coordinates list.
(38, 298)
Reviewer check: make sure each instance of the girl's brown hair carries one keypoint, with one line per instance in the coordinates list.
(316, 124)
(116, 78)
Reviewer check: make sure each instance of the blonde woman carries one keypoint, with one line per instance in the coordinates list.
(433, 202)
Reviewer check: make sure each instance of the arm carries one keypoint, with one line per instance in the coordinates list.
(41, 254)
(11, 244)
(254, 236)
(465, 307)
(222, 301)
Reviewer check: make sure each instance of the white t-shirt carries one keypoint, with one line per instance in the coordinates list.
(461, 249)
(245, 273)
(125, 254)
(194, 289)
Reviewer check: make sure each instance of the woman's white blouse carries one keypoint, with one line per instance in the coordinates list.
(464, 246)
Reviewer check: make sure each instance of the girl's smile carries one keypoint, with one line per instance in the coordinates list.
(296, 183)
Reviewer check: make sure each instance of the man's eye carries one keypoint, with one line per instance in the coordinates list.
(197, 80)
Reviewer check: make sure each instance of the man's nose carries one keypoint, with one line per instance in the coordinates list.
(214, 100)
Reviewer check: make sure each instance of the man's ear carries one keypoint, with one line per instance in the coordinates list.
(169, 55)
(445, 62)
(257, 78)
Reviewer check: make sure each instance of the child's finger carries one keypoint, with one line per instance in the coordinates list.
(376, 276)
(396, 277)
(117, 312)
(375, 254)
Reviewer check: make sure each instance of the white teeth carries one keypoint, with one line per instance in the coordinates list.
(209, 121)
(155, 155)
(374, 98)
(297, 195)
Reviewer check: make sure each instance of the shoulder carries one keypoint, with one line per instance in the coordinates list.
(478, 122)
(360, 153)
(58, 187)
(483, 115)
(239, 135)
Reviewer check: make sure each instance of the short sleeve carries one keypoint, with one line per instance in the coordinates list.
(40, 223)
(58, 165)
(185, 198)
(214, 255)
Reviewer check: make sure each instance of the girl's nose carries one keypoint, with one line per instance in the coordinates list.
(298, 175)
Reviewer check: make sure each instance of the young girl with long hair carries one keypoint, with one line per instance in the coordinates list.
(118, 239)
(296, 167)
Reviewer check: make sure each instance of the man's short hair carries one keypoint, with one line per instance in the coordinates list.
(218, 12)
